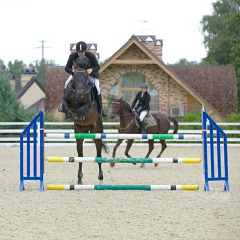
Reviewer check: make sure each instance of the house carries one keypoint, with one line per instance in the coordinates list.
(174, 90)
(28, 90)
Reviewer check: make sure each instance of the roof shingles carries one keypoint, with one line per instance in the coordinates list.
(213, 83)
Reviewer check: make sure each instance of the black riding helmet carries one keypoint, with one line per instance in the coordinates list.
(81, 47)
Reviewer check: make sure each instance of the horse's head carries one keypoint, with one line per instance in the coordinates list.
(81, 82)
(120, 108)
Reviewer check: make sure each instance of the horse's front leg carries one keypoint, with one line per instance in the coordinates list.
(119, 141)
(98, 143)
(164, 146)
(80, 154)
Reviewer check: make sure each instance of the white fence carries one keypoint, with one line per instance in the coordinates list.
(9, 136)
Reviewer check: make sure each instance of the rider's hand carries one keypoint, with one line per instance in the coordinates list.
(89, 71)
(133, 110)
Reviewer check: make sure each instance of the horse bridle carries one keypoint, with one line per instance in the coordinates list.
(86, 89)
(129, 124)
(121, 114)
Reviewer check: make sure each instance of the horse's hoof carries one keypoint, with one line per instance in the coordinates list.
(112, 164)
(142, 165)
(80, 182)
(155, 164)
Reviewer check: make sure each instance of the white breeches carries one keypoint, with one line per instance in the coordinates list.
(143, 115)
(95, 81)
(68, 81)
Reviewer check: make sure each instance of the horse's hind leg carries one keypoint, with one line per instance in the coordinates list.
(119, 141)
(150, 148)
(164, 146)
(80, 154)
(98, 143)
(129, 145)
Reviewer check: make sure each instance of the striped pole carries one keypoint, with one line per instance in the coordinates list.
(123, 160)
(123, 187)
(125, 136)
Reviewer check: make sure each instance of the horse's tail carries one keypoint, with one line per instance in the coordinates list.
(105, 147)
(175, 124)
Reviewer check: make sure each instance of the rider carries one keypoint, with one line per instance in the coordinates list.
(81, 51)
(143, 98)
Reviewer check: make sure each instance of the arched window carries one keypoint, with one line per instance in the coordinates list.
(129, 85)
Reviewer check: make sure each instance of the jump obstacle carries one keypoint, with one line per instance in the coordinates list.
(122, 160)
(122, 187)
(125, 136)
(32, 165)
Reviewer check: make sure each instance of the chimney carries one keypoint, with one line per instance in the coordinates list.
(153, 44)
(17, 84)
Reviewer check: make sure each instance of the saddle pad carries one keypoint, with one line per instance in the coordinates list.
(149, 121)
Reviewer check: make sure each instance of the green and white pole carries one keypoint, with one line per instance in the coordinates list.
(123, 187)
(123, 160)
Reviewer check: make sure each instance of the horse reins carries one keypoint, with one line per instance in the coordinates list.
(80, 71)
(85, 89)
(123, 128)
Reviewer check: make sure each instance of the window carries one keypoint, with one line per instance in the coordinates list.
(129, 86)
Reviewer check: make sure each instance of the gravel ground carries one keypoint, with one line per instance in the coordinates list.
(124, 215)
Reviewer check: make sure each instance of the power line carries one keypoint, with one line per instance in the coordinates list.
(144, 24)
(43, 47)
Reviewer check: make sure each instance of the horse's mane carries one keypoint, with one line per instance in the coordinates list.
(125, 105)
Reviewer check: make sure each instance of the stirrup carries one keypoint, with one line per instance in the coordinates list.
(61, 109)
(68, 115)
(104, 112)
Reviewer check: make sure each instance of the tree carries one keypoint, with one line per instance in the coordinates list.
(41, 68)
(2, 66)
(184, 62)
(11, 110)
(16, 68)
(221, 32)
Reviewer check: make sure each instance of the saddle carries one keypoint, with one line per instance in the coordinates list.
(149, 121)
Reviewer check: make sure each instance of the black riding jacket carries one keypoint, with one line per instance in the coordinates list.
(143, 102)
(93, 64)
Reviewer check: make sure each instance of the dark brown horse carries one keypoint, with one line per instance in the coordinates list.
(84, 113)
(127, 125)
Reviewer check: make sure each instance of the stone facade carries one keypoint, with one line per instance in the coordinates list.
(170, 93)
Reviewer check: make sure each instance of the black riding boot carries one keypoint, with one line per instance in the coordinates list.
(139, 122)
(64, 106)
(100, 108)
(142, 125)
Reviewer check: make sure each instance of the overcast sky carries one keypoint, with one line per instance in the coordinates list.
(108, 23)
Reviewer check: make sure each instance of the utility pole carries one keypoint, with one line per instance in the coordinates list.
(143, 22)
(43, 47)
